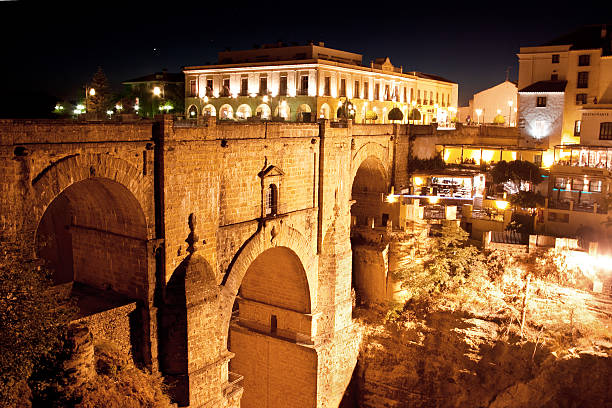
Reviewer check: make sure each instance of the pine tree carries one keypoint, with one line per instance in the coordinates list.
(101, 100)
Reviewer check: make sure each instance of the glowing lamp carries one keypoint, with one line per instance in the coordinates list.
(265, 99)
(501, 204)
(109, 112)
(205, 99)
(92, 91)
(433, 200)
(391, 198)
(118, 107)
(157, 91)
(418, 181)
(510, 103)
(80, 107)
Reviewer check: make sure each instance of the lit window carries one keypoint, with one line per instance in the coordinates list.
(356, 93)
(541, 102)
(595, 186)
(577, 125)
(605, 131)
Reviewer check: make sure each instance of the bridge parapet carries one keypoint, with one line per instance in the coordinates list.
(29, 131)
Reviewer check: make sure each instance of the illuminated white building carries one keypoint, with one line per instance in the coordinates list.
(308, 82)
(500, 99)
(583, 60)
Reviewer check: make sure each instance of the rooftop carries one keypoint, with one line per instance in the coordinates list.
(587, 38)
(545, 86)
(163, 76)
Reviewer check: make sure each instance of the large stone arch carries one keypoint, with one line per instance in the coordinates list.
(274, 234)
(367, 150)
(53, 180)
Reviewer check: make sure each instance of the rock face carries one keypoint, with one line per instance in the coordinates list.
(459, 361)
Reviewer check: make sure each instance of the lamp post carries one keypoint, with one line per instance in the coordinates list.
(510, 103)
(478, 113)
(157, 91)
(88, 92)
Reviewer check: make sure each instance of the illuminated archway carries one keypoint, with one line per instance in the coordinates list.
(303, 108)
(192, 112)
(325, 111)
(263, 111)
(226, 112)
(243, 112)
(209, 110)
(283, 110)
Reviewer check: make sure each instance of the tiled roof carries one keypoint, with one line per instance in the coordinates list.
(545, 86)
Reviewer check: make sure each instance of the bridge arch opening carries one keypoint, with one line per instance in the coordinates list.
(270, 328)
(94, 233)
(370, 214)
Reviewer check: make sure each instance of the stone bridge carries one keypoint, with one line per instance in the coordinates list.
(230, 240)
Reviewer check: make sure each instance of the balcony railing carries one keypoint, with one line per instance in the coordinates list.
(574, 205)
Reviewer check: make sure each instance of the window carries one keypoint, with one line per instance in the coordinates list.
(209, 87)
(431, 97)
(387, 93)
(343, 87)
(581, 99)
(304, 85)
(405, 95)
(541, 102)
(377, 91)
(263, 85)
(193, 88)
(244, 86)
(584, 60)
(419, 96)
(583, 79)
(226, 87)
(554, 77)
(605, 131)
(282, 88)
(273, 324)
(271, 200)
(561, 183)
(396, 93)
(366, 90)
(555, 58)
(437, 97)
(595, 186)
(356, 93)
(577, 125)
(578, 184)
(411, 94)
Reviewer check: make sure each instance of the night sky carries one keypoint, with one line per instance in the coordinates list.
(50, 50)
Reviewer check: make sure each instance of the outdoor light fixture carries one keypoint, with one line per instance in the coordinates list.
(391, 198)
(433, 200)
(92, 91)
(265, 99)
(157, 91)
(478, 113)
(501, 204)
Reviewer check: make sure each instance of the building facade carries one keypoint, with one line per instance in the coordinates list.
(486, 105)
(583, 60)
(308, 82)
(150, 92)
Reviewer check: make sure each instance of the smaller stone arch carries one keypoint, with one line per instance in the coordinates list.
(226, 112)
(209, 110)
(325, 111)
(244, 111)
(263, 111)
(192, 112)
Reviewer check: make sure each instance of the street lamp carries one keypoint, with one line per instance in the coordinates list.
(510, 103)
(88, 92)
(478, 113)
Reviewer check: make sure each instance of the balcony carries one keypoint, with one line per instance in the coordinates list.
(595, 157)
(576, 205)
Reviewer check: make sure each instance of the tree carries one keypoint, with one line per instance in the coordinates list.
(445, 262)
(371, 115)
(499, 119)
(33, 318)
(527, 199)
(100, 101)
(395, 114)
(516, 175)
